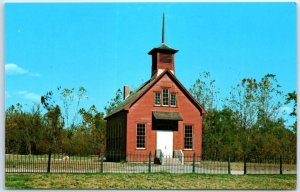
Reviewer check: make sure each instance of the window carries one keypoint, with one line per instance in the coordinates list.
(165, 97)
(188, 137)
(173, 99)
(140, 136)
(157, 98)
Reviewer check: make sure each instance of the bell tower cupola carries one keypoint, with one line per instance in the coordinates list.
(162, 56)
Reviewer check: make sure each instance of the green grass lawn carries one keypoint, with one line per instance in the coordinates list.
(147, 181)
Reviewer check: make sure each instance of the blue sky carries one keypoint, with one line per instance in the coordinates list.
(104, 46)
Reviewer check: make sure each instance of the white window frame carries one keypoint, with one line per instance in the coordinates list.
(163, 96)
(188, 149)
(171, 99)
(157, 92)
(137, 136)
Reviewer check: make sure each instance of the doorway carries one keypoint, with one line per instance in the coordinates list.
(164, 142)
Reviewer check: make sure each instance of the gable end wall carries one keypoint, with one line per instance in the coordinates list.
(141, 112)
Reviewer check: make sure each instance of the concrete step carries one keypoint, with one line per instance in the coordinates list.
(171, 161)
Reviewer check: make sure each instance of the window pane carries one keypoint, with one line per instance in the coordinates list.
(157, 98)
(140, 137)
(173, 99)
(188, 137)
(165, 96)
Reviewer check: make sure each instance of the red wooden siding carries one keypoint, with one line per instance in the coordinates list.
(115, 121)
(141, 112)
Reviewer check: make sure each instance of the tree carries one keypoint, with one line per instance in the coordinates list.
(220, 139)
(35, 129)
(14, 124)
(54, 124)
(205, 92)
(71, 100)
(95, 124)
(292, 135)
(24, 130)
(268, 99)
(292, 98)
(114, 102)
(256, 105)
(68, 100)
(243, 103)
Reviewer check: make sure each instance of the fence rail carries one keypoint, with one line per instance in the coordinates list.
(143, 163)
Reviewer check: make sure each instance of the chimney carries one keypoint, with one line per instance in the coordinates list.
(126, 92)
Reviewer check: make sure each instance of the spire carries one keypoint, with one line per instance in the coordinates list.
(162, 56)
(163, 29)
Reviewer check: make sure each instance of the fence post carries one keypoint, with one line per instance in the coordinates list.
(149, 163)
(245, 165)
(101, 162)
(280, 164)
(194, 160)
(49, 160)
(229, 169)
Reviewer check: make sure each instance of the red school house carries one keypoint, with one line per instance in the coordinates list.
(160, 116)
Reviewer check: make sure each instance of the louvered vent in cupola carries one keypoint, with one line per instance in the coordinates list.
(165, 58)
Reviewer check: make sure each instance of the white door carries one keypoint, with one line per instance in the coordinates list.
(164, 142)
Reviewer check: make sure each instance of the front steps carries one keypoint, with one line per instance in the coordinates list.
(170, 161)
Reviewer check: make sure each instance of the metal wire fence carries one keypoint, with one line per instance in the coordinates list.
(144, 163)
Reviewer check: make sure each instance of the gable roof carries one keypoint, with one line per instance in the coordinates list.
(139, 92)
